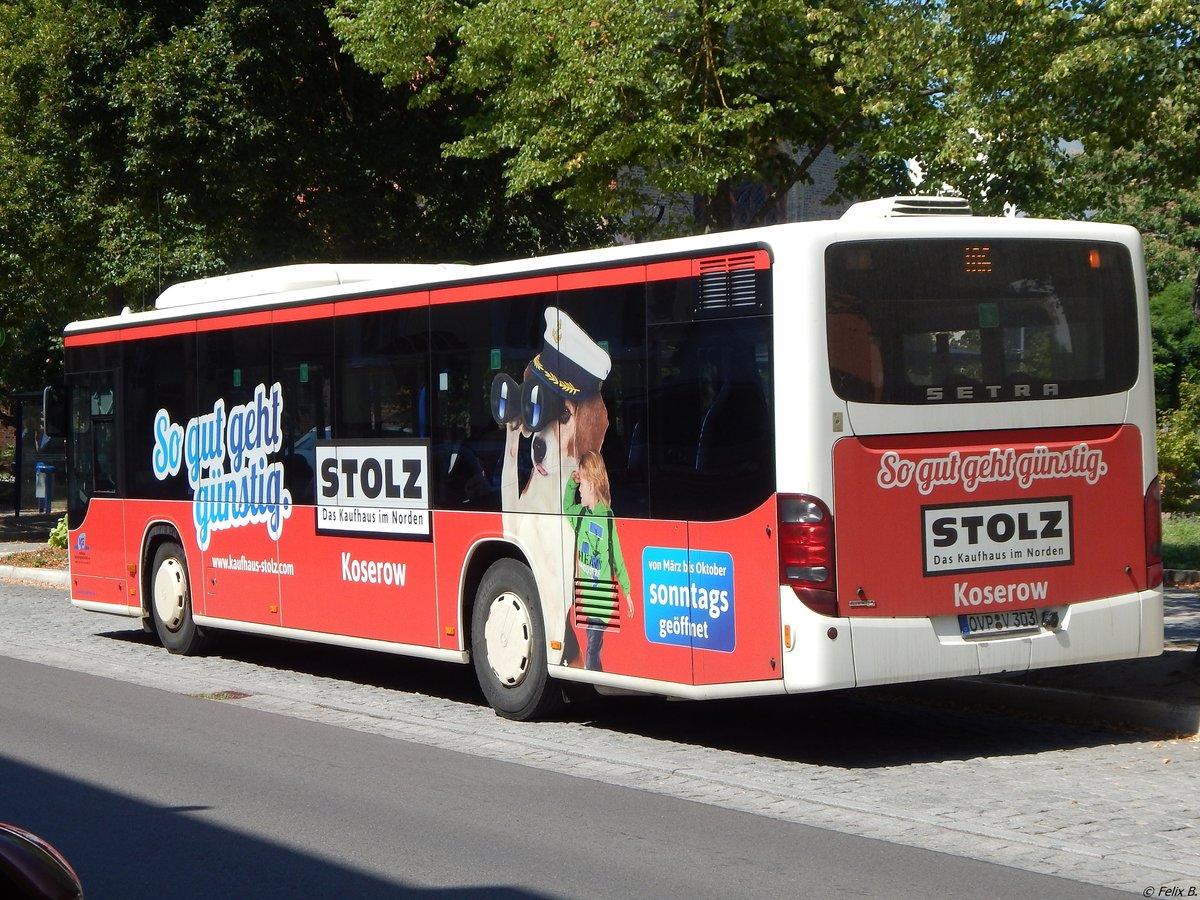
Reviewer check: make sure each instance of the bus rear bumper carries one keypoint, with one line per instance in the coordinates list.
(873, 651)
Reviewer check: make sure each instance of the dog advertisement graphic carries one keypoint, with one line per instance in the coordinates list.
(553, 419)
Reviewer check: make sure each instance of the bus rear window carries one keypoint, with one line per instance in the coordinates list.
(968, 321)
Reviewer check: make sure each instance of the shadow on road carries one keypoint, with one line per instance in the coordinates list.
(125, 849)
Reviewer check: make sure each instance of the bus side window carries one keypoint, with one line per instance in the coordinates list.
(383, 375)
(470, 344)
(231, 363)
(303, 365)
(104, 455)
(735, 428)
(710, 426)
(158, 374)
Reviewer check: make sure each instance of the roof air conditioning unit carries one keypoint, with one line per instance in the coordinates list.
(897, 207)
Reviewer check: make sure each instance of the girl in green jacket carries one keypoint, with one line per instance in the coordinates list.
(601, 578)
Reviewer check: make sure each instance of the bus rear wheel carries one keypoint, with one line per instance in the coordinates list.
(508, 644)
(171, 602)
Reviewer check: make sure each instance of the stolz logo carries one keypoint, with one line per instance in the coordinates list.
(373, 487)
(985, 536)
(226, 454)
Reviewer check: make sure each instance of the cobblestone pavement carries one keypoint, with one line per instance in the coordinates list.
(1181, 613)
(1097, 807)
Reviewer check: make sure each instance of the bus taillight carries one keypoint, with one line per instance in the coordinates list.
(806, 551)
(1153, 507)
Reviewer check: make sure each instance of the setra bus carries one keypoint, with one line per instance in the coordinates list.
(908, 444)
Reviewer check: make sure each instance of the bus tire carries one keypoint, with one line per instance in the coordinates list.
(171, 602)
(508, 644)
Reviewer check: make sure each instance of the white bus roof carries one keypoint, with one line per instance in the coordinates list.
(285, 279)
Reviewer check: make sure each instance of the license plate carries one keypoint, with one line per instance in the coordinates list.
(999, 624)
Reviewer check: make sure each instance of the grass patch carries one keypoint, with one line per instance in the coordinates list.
(1181, 542)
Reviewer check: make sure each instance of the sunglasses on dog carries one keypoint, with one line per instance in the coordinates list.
(531, 403)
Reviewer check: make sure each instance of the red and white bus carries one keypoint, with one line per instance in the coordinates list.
(908, 444)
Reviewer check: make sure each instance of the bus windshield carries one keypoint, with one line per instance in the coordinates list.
(963, 321)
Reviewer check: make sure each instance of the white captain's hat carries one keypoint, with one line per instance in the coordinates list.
(571, 363)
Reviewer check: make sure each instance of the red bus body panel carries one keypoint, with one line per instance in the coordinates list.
(933, 525)
(408, 591)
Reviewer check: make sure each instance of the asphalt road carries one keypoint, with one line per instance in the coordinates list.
(155, 795)
(933, 788)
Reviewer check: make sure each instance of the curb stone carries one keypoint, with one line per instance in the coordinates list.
(56, 577)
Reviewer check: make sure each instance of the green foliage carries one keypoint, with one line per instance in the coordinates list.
(58, 535)
(1179, 451)
(1139, 188)
(1181, 542)
(1034, 104)
(148, 142)
(1080, 108)
(1176, 343)
(609, 103)
(1044, 105)
(144, 141)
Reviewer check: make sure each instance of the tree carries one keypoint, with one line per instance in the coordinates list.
(603, 101)
(144, 142)
(1179, 450)
(1082, 108)
(1176, 344)
(1165, 208)
(39, 226)
(1149, 176)
(609, 103)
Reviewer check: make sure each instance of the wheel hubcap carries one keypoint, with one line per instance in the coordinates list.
(170, 593)
(508, 636)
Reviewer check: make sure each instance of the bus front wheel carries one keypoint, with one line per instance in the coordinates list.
(171, 602)
(508, 644)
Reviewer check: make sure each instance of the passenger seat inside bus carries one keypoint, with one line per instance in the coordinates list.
(735, 430)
